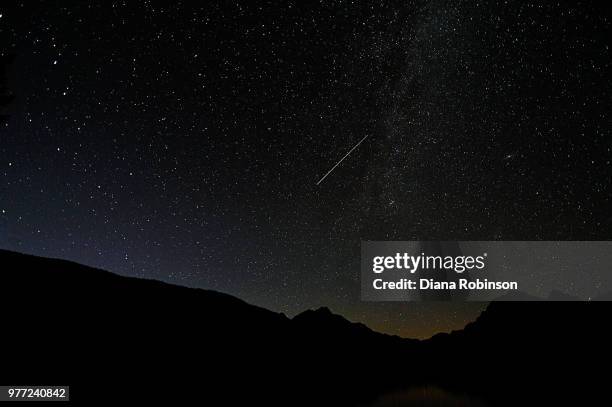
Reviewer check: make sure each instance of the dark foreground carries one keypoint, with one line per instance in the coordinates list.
(113, 338)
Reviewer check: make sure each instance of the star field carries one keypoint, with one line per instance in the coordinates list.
(183, 142)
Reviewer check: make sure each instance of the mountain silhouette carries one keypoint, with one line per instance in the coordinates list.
(115, 338)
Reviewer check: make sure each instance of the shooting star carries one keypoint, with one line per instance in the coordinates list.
(342, 159)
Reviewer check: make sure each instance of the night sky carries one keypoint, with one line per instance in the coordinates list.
(183, 142)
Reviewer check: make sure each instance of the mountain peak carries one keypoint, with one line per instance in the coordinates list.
(323, 311)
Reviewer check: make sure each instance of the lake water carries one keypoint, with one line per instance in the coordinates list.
(426, 396)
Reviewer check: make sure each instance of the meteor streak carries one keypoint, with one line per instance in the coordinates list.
(342, 159)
